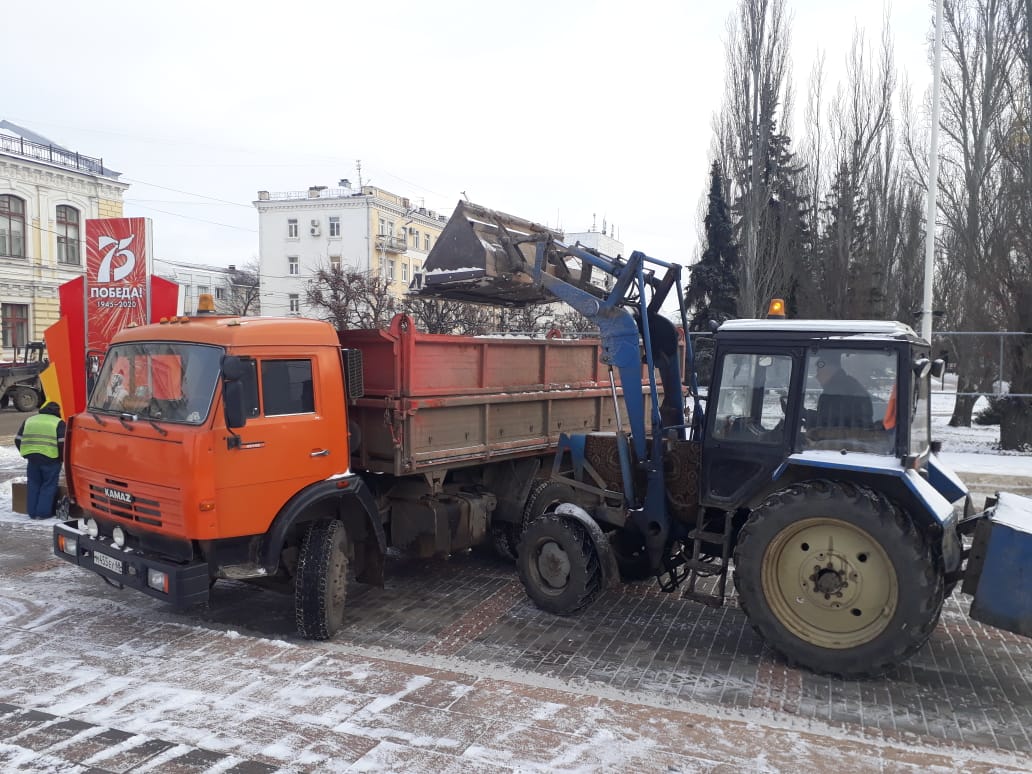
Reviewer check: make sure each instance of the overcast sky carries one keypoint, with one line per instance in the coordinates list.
(558, 112)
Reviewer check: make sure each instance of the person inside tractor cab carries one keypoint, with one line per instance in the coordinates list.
(851, 403)
(843, 401)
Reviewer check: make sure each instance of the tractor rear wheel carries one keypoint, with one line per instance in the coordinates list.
(321, 580)
(837, 579)
(559, 564)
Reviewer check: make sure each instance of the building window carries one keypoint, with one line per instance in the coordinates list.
(390, 270)
(426, 243)
(12, 226)
(404, 272)
(295, 303)
(68, 250)
(383, 227)
(15, 324)
(202, 289)
(293, 267)
(219, 293)
(334, 261)
(414, 239)
(334, 226)
(292, 228)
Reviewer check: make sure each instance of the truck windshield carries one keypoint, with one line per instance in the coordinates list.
(160, 381)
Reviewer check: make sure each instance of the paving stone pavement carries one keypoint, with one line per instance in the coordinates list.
(451, 668)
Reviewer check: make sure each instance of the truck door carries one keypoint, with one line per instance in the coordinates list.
(748, 433)
(291, 440)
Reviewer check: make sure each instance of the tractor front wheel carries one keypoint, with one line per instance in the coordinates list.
(559, 564)
(837, 579)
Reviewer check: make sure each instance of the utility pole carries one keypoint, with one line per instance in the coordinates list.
(933, 180)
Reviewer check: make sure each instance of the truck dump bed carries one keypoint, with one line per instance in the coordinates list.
(434, 401)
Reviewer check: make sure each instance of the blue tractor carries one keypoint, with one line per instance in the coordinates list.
(803, 461)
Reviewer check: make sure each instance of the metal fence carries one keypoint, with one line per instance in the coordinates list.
(987, 355)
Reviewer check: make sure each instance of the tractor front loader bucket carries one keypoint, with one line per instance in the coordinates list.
(485, 256)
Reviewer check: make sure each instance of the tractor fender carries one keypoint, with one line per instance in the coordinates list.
(348, 498)
(884, 474)
(606, 557)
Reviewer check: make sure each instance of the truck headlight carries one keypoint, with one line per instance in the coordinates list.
(118, 537)
(68, 544)
(157, 580)
(92, 528)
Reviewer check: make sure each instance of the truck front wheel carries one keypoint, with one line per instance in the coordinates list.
(559, 564)
(544, 496)
(321, 581)
(837, 579)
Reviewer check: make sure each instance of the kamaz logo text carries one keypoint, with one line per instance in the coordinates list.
(114, 494)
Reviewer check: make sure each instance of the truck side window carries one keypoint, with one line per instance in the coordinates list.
(287, 387)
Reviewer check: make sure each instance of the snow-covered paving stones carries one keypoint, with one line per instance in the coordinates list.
(449, 668)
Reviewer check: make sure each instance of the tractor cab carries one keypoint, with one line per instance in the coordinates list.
(788, 388)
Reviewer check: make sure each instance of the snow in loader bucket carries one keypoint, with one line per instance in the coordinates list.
(1002, 551)
(485, 256)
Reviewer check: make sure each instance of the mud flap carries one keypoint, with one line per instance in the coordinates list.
(999, 573)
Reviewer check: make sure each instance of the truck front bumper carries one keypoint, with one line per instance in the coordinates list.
(178, 583)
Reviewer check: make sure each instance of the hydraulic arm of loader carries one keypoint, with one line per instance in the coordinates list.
(487, 256)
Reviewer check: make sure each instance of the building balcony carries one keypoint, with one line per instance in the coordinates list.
(50, 154)
(391, 244)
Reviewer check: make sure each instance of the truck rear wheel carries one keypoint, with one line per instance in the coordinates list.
(25, 398)
(837, 579)
(321, 582)
(544, 496)
(559, 564)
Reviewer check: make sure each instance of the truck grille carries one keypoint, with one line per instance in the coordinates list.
(114, 498)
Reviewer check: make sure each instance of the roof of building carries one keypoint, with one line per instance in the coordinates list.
(41, 150)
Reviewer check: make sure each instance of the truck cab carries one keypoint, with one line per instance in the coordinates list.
(208, 447)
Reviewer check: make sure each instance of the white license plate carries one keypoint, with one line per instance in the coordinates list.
(107, 562)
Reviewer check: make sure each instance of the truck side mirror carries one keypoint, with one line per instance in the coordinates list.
(233, 401)
(234, 369)
(938, 367)
(921, 367)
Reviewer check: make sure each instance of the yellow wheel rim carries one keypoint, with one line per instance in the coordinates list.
(829, 583)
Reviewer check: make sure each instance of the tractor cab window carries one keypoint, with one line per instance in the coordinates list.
(158, 381)
(850, 400)
(751, 397)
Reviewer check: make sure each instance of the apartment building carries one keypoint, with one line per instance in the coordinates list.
(47, 192)
(364, 227)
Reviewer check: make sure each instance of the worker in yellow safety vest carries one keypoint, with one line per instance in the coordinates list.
(41, 442)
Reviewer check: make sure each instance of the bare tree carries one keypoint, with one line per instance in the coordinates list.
(348, 297)
(435, 315)
(243, 297)
(980, 46)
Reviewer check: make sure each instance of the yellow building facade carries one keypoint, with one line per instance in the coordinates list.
(46, 195)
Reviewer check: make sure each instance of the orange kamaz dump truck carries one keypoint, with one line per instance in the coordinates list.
(284, 452)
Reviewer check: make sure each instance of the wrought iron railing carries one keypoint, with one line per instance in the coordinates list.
(19, 146)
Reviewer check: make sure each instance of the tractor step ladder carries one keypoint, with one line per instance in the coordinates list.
(698, 567)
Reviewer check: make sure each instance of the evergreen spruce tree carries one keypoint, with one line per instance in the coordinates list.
(712, 291)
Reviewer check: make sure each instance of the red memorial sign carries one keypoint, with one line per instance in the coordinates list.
(117, 262)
